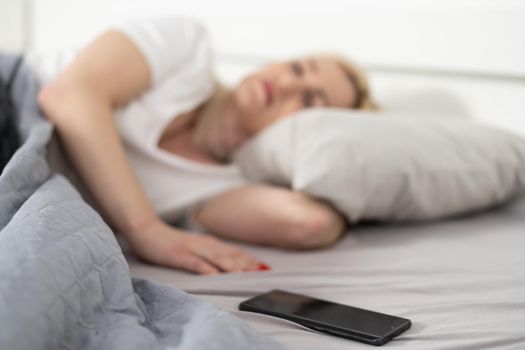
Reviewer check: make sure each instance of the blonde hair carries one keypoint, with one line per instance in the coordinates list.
(357, 77)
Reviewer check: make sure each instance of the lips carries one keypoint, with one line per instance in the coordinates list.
(268, 92)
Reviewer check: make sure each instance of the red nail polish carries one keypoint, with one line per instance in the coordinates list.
(263, 267)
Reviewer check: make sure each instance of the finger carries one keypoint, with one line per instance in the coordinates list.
(221, 255)
(226, 257)
(246, 262)
(223, 261)
(195, 264)
(242, 261)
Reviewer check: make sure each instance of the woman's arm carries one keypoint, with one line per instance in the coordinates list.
(271, 216)
(109, 73)
(80, 102)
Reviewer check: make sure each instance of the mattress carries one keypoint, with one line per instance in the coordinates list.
(461, 281)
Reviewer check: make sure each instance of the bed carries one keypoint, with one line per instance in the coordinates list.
(64, 282)
(462, 280)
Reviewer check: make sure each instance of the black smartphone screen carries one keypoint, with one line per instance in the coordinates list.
(341, 320)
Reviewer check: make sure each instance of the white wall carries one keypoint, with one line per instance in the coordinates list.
(472, 49)
(478, 36)
(12, 25)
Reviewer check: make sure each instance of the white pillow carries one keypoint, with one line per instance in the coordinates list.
(382, 166)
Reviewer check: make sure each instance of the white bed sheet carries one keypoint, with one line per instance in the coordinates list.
(460, 281)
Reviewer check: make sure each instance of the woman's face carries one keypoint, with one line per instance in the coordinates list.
(280, 89)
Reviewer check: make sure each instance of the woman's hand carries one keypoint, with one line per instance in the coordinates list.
(162, 244)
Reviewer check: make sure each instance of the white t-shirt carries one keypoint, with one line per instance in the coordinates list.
(179, 56)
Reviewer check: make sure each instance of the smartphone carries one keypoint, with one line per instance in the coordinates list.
(337, 319)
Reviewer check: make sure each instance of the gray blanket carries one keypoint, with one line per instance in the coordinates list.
(64, 282)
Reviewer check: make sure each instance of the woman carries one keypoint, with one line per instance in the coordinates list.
(151, 133)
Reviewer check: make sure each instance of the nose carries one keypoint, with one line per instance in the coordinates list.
(288, 84)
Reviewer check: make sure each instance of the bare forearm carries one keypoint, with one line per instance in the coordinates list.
(88, 133)
(271, 216)
(111, 72)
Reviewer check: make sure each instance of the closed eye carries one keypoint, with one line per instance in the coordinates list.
(297, 69)
(314, 98)
(308, 99)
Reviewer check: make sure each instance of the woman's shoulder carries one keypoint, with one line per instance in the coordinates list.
(158, 27)
(167, 42)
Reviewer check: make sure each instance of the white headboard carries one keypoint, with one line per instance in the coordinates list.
(464, 52)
